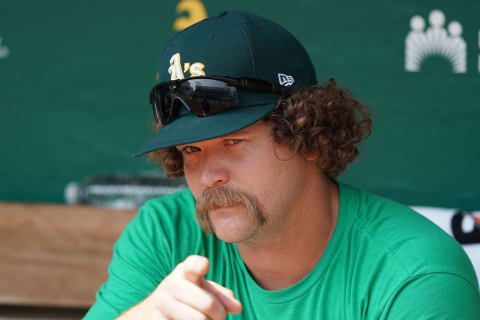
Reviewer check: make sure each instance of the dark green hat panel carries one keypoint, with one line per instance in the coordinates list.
(238, 44)
(216, 43)
(275, 50)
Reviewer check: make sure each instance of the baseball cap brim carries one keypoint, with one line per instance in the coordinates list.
(189, 128)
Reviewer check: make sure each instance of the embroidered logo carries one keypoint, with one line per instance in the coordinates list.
(285, 80)
(420, 44)
(177, 72)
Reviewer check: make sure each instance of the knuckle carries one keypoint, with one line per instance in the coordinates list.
(168, 284)
(166, 309)
(163, 302)
(175, 289)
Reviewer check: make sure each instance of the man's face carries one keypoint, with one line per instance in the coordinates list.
(265, 180)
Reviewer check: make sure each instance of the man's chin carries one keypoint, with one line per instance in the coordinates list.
(229, 231)
(230, 224)
(231, 238)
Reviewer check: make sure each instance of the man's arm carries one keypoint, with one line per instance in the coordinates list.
(150, 248)
(185, 294)
(439, 296)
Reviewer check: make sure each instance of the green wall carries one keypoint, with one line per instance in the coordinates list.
(75, 75)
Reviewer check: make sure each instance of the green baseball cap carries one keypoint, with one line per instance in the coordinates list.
(232, 44)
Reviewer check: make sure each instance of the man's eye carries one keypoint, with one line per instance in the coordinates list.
(233, 141)
(190, 149)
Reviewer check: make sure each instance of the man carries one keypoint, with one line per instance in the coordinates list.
(239, 112)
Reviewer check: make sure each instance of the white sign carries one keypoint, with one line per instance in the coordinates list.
(435, 40)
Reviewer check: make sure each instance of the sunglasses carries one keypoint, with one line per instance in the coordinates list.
(204, 96)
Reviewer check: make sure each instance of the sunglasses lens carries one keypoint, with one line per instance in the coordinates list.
(154, 101)
(201, 96)
(207, 96)
(160, 101)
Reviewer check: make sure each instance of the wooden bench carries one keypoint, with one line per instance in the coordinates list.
(56, 255)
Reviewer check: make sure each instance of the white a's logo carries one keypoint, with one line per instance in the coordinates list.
(177, 72)
(285, 80)
(420, 44)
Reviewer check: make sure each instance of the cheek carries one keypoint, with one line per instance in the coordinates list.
(192, 181)
(284, 179)
(260, 175)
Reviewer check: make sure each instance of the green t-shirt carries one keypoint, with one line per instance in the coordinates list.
(384, 261)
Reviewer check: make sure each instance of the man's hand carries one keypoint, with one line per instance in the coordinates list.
(185, 294)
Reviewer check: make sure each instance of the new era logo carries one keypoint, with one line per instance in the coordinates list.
(285, 80)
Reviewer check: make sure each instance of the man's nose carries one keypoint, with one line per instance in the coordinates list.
(213, 172)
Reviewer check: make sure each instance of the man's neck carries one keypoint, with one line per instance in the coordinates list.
(280, 262)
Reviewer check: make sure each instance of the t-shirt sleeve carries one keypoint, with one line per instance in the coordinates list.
(141, 259)
(435, 296)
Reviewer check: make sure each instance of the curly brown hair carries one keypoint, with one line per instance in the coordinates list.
(323, 120)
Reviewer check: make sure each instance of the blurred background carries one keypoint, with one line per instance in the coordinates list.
(74, 82)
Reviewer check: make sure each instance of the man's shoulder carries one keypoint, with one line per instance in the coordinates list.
(414, 244)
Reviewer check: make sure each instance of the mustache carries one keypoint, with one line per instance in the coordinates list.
(213, 198)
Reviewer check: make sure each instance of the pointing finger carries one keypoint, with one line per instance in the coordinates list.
(226, 297)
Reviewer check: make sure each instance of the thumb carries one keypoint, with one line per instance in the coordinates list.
(195, 268)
